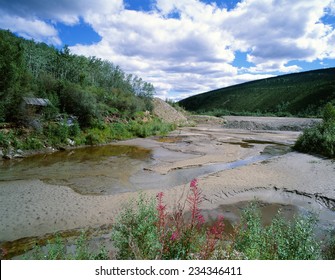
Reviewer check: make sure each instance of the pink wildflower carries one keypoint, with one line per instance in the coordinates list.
(161, 212)
(194, 199)
(217, 229)
(174, 236)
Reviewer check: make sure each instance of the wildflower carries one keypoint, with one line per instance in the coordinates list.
(194, 183)
(194, 199)
(161, 211)
(174, 236)
(217, 229)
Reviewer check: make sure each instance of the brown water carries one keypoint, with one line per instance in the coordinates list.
(89, 170)
(112, 169)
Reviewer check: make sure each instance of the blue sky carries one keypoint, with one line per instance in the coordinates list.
(185, 47)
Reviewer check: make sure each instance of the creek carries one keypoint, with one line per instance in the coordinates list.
(113, 169)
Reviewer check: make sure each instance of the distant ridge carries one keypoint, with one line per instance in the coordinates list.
(299, 94)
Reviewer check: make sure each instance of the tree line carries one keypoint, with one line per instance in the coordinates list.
(88, 87)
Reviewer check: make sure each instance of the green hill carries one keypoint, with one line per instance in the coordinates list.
(299, 94)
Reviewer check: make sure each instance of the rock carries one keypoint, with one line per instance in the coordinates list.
(7, 156)
(70, 142)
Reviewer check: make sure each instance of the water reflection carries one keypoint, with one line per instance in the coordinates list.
(86, 170)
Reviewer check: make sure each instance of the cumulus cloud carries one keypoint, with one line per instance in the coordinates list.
(30, 28)
(34, 18)
(188, 46)
(279, 31)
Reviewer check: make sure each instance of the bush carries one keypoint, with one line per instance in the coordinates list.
(148, 231)
(144, 231)
(281, 240)
(329, 113)
(320, 139)
(135, 233)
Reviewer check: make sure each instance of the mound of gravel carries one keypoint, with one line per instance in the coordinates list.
(269, 123)
(167, 113)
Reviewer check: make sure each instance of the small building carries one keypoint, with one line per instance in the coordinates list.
(32, 111)
(33, 107)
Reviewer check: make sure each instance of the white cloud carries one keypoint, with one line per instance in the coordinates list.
(275, 32)
(187, 46)
(29, 18)
(30, 28)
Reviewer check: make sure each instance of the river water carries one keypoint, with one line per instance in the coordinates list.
(112, 169)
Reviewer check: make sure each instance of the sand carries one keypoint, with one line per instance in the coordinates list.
(34, 208)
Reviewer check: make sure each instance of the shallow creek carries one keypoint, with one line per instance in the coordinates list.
(113, 169)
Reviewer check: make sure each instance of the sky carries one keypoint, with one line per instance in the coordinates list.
(185, 47)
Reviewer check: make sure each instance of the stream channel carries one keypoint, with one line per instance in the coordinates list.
(112, 169)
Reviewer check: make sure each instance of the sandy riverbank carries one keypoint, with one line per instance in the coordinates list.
(34, 208)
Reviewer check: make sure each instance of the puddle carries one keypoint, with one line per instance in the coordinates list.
(241, 144)
(290, 202)
(262, 142)
(169, 139)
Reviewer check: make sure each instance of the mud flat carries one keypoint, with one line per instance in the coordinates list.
(34, 206)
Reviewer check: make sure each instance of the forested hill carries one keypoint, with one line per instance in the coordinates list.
(89, 88)
(299, 94)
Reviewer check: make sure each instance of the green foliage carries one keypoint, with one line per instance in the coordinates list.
(328, 251)
(145, 230)
(281, 240)
(57, 250)
(320, 139)
(135, 233)
(329, 113)
(299, 94)
(88, 88)
(14, 140)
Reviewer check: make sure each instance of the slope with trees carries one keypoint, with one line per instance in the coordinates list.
(299, 94)
(105, 102)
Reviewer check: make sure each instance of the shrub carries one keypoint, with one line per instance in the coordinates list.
(329, 113)
(135, 233)
(144, 231)
(281, 240)
(320, 139)
(147, 231)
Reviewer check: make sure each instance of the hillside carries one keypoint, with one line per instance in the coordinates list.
(52, 98)
(299, 94)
